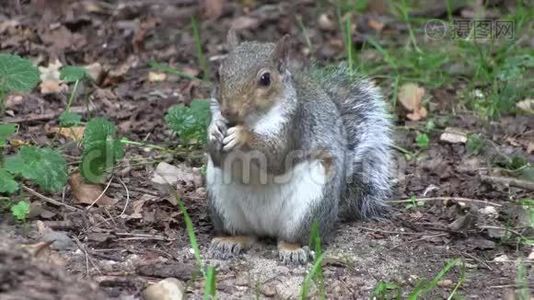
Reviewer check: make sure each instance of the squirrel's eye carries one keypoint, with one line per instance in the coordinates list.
(265, 79)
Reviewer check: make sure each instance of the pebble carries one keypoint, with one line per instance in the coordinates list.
(166, 289)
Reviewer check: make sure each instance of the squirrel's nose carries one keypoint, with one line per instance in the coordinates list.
(229, 114)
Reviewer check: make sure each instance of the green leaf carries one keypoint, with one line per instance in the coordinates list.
(17, 74)
(69, 119)
(190, 123)
(44, 166)
(422, 140)
(72, 73)
(8, 184)
(6, 130)
(475, 144)
(101, 150)
(20, 210)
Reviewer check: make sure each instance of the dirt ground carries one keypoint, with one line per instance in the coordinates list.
(105, 252)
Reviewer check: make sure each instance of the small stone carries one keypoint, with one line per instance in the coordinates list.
(501, 258)
(531, 255)
(489, 211)
(61, 241)
(454, 136)
(268, 290)
(445, 283)
(326, 23)
(166, 289)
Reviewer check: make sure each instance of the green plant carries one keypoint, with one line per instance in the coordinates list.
(422, 140)
(414, 203)
(475, 144)
(8, 185)
(20, 210)
(101, 149)
(522, 292)
(44, 166)
(71, 74)
(170, 70)
(387, 290)
(425, 286)
(190, 123)
(316, 272)
(16, 75)
(210, 274)
(198, 45)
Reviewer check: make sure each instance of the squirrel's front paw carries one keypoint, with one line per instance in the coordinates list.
(293, 253)
(229, 246)
(217, 131)
(235, 137)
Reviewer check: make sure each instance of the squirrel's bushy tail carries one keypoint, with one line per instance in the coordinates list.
(368, 129)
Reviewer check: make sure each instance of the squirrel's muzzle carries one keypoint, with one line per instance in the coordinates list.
(230, 114)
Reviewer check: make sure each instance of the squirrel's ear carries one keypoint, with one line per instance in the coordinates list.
(281, 51)
(232, 40)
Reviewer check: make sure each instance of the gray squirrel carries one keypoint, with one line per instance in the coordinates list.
(288, 148)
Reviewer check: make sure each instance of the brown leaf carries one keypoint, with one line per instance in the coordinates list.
(244, 22)
(74, 133)
(212, 8)
(95, 71)
(156, 76)
(50, 86)
(375, 24)
(62, 38)
(411, 96)
(87, 193)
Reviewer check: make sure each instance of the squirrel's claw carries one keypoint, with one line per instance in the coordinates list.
(228, 247)
(217, 131)
(235, 138)
(293, 253)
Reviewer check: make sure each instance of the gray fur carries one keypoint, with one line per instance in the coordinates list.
(332, 113)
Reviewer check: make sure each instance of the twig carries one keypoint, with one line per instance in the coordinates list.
(425, 237)
(127, 197)
(390, 232)
(509, 181)
(101, 194)
(461, 199)
(502, 228)
(48, 199)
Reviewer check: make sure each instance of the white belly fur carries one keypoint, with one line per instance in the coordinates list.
(272, 209)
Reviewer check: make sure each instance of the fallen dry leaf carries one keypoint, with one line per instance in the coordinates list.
(526, 105)
(87, 193)
(530, 148)
(156, 76)
(411, 97)
(62, 38)
(375, 24)
(244, 22)
(95, 71)
(51, 72)
(454, 136)
(74, 133)
(138, 207)
(212, 8)
(50, 86)
(50, 82)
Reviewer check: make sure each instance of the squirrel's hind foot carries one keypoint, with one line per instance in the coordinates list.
(290, 253)
(225, 247)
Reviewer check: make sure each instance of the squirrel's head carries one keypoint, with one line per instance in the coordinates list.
(252, 78)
